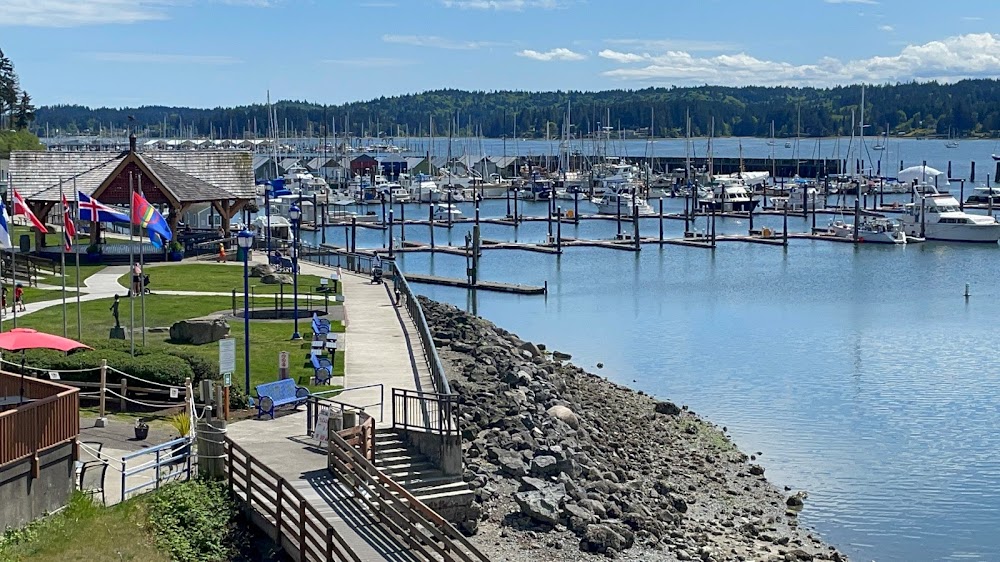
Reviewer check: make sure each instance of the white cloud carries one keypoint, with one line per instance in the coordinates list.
(559, 53)
(972, 18)
(947, 60)
(690, 45)
(509, 5)
(163, 58)
(72, 13)
(887, 28)
(436, 42)
(850, 2)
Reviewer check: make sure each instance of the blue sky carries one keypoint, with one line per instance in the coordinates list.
(204, 53)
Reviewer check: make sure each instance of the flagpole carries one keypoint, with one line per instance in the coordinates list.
(62, 257)
(142, 266)
(13, 262)
(76, 248)
(131, 261)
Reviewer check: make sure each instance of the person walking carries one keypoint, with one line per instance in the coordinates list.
(222, 253)
(136, 280)
(18, 298)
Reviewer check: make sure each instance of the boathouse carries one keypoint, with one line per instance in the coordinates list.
(176, 182)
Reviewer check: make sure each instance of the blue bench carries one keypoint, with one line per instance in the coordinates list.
(320, 327)
(272, 395)
(322, 369)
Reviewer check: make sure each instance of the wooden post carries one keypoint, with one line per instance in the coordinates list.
(225, 403)
(121, 401)
(104, 385)
(661, 219)
(354, 234)
(784, 228)
(303, 545)
(432, 225)
(277, 508)
(558, 228)
(402, 223)
(961, 194)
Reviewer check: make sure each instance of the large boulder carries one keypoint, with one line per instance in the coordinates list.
(602, 538)
(565, 415)
(542, 505)
(276, 279)
(199, 330)
(261, 269)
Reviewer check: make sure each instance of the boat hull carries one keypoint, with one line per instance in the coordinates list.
(730, 206)
(980, 234)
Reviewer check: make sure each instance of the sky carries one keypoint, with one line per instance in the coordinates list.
(208, 53)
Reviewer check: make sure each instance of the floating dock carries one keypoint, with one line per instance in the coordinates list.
(479, 286)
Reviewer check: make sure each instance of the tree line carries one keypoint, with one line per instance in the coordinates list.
(962, 109)
(16, 109)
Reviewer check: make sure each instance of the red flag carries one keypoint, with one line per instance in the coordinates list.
(21, 208)
(69, 230)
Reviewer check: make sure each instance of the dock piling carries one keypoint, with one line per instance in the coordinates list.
(354, 234)
(390, 232)
(432, 225)
(559, 231)
(661, 220)
(402, 222)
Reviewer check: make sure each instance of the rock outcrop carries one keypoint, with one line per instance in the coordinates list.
(199, 331)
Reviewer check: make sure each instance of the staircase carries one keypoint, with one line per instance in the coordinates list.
(448, 495)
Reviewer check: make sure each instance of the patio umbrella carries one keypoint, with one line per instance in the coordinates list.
(23, 339)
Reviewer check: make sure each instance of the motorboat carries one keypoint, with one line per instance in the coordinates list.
(938, 216)
(395, 192)
(871, 230)
(446, 211)
(574, 193)
(984, 196)
(800, 198)
(622, 202)
(280, 228)
(538, 189)
(423, 189)
(729, 195)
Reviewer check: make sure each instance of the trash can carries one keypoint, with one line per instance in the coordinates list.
(241, 254)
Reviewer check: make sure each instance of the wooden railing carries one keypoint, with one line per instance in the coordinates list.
(295, 519)
(52, 417)
(428, 535)
(361, 437)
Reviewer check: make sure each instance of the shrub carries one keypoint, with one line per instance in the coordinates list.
(203, 368)
(193, 520)
(152, 365)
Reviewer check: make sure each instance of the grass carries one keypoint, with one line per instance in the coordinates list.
(84, 532)
(85, 272)
(267, 338)
(215, 278)
(51, 239)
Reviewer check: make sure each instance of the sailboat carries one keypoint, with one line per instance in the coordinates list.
(879, 145)
(951, 143)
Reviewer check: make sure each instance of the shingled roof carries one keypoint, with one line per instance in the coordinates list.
(190, 176)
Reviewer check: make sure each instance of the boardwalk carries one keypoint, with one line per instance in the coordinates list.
(378, 342)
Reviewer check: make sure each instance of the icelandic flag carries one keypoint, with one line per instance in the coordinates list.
(4, 228)
(105, 213)
(146, 216)
(21, 208)
(69, 228)
(277, 187)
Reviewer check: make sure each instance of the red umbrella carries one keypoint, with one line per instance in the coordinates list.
(21, 339)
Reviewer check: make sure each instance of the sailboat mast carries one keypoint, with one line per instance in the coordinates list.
(861, 143)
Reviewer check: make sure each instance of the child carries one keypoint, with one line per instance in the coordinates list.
(19, 297)
(222, 252)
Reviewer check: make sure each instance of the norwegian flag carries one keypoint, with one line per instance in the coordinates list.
(21, 208)
(69, 230)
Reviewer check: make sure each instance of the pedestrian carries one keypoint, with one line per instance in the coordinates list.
(222, 253)
(136, 280)
(18, 297)
(3, 302)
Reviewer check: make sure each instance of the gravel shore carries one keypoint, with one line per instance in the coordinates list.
(567, 466)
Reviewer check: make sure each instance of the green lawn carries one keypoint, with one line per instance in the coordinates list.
(268, 338)
(216, 278)
(84, 532)
(85, 272)
(31, 294)
(53, 238)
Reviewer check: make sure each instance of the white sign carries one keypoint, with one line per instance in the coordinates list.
(227, 379)
(227, 356)
(174, 392)
(322, 426)
(54, 375)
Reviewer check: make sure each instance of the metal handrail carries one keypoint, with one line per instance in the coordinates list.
(155, 464)
(313, 402)
(438, 376)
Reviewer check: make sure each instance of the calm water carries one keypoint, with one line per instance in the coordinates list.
(861, 374)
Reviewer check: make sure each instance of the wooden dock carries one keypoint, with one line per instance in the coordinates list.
(479, 286)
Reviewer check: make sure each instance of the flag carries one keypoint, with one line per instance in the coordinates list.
(146, 216)
(105, 213)
(69, 228)
(21, 208)
(277, 188)
(4, 228)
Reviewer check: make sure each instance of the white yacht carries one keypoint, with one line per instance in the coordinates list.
(984, 196)
(937, 216)
(299, 180)
(871, 230)
(280, 227)
(423, 189)
(729, 195)
(800, 198)
(398, 193)
(442, 211)
(622, 201)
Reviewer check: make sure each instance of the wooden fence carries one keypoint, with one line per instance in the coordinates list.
(361, 437)
(293, 518)
(52, 417)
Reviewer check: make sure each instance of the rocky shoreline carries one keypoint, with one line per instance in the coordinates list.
(564, 462)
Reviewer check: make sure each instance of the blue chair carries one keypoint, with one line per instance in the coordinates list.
(279, 393)
(322, 369)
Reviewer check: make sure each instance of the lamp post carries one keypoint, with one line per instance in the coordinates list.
(331, 346)
(295, 214)
(245, 241)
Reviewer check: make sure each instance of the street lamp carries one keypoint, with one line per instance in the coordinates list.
(295, 214)
(245, 241)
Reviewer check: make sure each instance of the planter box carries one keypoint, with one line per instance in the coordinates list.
(175, 256)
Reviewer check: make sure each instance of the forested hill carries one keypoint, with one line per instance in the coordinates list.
(966, 108)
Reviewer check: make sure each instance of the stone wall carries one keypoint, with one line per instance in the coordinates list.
(24, 499)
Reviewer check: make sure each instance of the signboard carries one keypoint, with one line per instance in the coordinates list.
(174, 393)
(227, 356)
(227, 379)
(54, 375)
(283, 365)
(321, 433)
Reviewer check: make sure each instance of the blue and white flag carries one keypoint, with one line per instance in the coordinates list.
(87, 207)
(4, 228)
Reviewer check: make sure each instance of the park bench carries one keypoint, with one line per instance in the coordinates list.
(322, 369)
(320, 327)
(272, 395)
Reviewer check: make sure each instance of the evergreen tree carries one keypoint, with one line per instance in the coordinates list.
(25, 112)
(8, 86)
